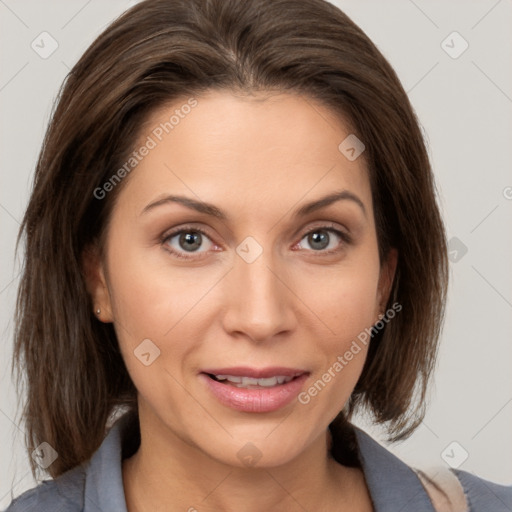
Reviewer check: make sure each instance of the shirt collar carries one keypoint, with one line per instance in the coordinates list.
(393, 485)
(104, 488)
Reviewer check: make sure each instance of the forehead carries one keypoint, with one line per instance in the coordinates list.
(245, 152)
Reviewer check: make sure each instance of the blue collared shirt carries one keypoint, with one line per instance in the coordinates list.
(97, 485)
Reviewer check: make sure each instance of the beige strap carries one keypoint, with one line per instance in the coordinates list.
(444, 489)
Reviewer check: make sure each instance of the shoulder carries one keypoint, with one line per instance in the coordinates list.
(484, 495)
(96, 481)
(394, 485)
(63, 494)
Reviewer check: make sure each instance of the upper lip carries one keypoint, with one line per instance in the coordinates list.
(256, 373)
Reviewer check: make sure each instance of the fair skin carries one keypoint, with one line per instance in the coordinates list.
(258, 159)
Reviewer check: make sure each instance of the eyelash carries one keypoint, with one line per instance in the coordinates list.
(345, 237)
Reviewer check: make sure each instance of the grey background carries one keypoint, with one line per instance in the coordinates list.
(465, 107)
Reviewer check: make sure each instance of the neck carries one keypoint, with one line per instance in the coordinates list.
(168, 473)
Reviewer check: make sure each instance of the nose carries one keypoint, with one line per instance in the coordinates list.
(259, 302)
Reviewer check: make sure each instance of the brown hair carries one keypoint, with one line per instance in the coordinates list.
(164, 49)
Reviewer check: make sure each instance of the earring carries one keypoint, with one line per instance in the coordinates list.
(98, 311)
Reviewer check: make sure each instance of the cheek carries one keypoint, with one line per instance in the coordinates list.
(148, 308)
(345, 304)
(344, 299)
(150, 297)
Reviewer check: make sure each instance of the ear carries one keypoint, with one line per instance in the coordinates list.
(96, 283)
(386, 278)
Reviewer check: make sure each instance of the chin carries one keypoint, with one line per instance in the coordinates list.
(265, 448)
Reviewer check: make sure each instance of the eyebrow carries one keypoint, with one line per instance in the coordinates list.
(213, 211)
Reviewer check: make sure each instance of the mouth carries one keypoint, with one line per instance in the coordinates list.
(254, 390)
(251, 382)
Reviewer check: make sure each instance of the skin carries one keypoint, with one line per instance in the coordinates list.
(258, 158)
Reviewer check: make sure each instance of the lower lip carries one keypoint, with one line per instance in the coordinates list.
(255, 400)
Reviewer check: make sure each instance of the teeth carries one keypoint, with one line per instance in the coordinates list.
(231, 378)
(245, 382)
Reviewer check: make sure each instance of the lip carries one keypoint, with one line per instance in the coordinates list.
(256, 373)
(255, 400)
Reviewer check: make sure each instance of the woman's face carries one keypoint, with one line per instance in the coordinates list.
(254, 278)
